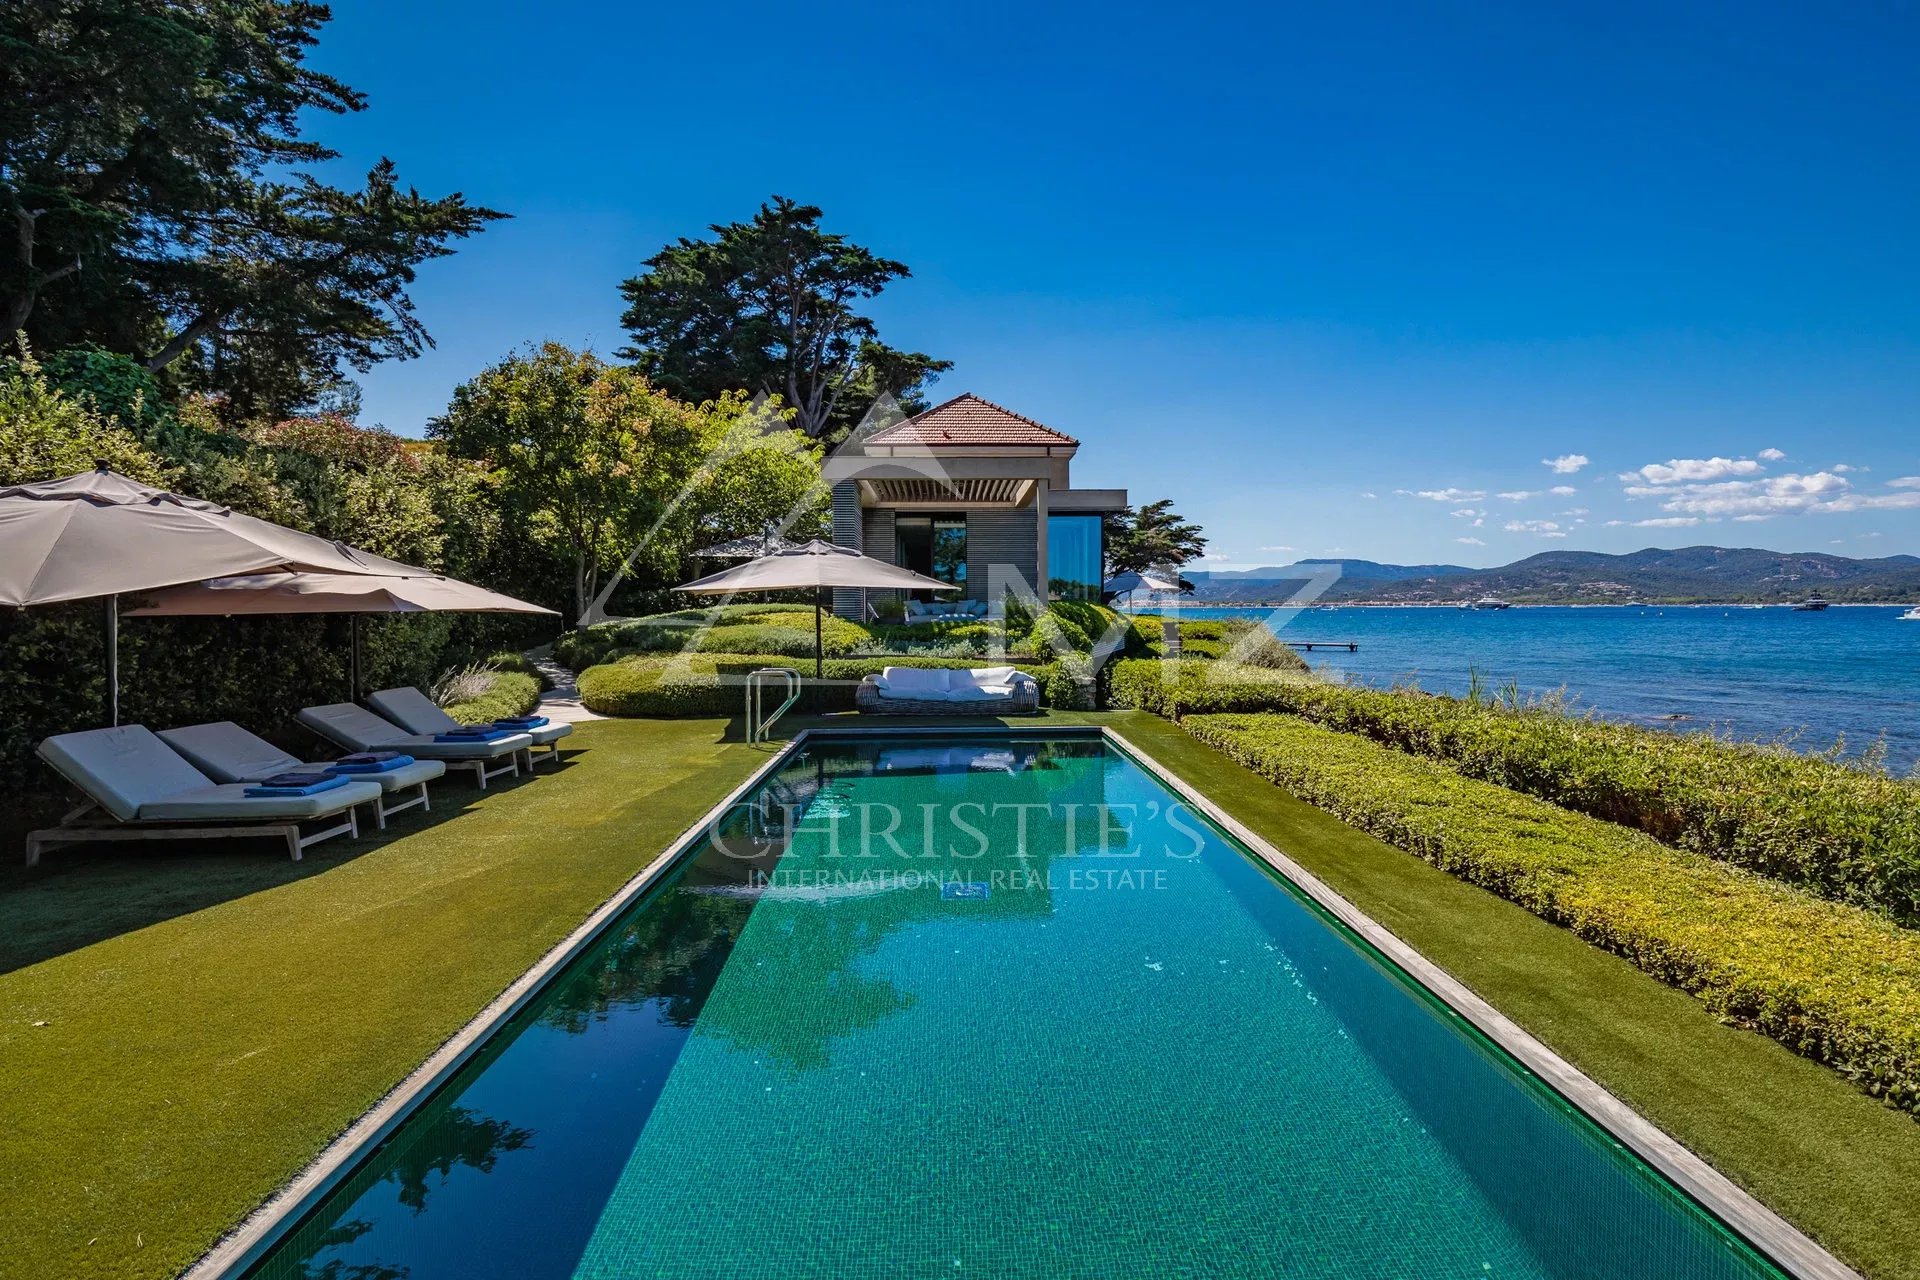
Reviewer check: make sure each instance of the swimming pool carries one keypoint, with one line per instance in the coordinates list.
(1000, 1006)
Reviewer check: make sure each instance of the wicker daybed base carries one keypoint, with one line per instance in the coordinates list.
(1024, 701)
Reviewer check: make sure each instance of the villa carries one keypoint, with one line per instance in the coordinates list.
(972, 494)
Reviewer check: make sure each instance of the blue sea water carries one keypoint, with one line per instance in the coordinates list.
(1851, 672)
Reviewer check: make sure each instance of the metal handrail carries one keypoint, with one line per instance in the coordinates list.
(757, 726)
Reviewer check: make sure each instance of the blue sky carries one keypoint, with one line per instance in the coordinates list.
(1336, 279)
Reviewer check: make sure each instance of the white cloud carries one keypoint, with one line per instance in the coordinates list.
(1905, 482)
(1470, 542)
(1770, 455)
(1466, 513)
(1753, 517)
(1820, 492)
(1444, 495)
(1518, 495)
(1366, 494)
(1691, 470)
(1276, 548)
(1566, 464)
(1865, 536)
(1543, 528)
(1840, 468)
(1574, 511)
(1563, 491)
(1668, 522)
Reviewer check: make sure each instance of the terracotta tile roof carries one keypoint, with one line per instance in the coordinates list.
(969, 420)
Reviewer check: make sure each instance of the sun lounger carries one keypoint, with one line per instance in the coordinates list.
(144, 790)
(358, 729)
(417, 713)
(227, 753)
(935, 692)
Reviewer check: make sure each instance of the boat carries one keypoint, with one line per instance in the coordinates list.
(1812, 604)
(1911, 615)
(1488, 602)
(1636, 604)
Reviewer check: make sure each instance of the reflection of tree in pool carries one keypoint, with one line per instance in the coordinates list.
(334, 1237)
(805, 987)
(457, 1136)
(671, 952)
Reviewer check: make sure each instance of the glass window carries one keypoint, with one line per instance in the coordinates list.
(1073, 557)
(950, 549)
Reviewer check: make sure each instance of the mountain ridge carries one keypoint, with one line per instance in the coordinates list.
(1665, 574)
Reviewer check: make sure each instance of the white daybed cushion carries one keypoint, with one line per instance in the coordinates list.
(228, 753)
(414, 710)
(358, 729)
(133, 775)
(922, 684)
(230, 800)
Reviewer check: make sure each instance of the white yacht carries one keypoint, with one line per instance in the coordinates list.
(1911, 615)
(1488, 602)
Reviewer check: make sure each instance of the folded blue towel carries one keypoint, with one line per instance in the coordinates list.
(310, 789)
(365, 762)
(521, 722)
(305, 776)
(474, 735)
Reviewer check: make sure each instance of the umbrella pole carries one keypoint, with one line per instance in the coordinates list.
(113, 660)
(353, 657)
(817, 645)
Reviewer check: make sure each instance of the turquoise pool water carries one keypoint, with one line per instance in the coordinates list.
(999, 1008)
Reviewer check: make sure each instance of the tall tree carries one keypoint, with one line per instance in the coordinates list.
(589, 453)
(771, 306)
(151, 202)
(1154, 536)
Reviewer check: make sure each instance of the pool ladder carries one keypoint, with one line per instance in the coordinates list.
(759, 720)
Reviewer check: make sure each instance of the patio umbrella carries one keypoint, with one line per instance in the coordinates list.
(1121, 583)
(100, 534)
(353, 594)
(816, 565)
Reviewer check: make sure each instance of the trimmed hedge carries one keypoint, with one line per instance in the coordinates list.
(680, 685)
(1845, 833)
(1835, 983)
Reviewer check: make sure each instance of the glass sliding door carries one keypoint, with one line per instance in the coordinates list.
(1073, 557)
(935, 545)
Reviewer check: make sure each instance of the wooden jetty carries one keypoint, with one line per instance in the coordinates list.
(1351, 646)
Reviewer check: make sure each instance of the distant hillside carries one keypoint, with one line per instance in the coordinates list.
(1574, 577)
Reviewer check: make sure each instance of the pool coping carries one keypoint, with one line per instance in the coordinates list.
(1782, 1243)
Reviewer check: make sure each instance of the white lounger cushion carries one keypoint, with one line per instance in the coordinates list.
(135, 776)
(358, 729)
(932, 684)
(414, 710)
(228, 753)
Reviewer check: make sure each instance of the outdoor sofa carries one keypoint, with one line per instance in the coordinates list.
(935, 691)
(358, 729)
(945, 610)
(417, 713)
(142, 789)
(227, 753)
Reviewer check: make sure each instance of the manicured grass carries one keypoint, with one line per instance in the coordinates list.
(214, 1018)
(1836, 1163)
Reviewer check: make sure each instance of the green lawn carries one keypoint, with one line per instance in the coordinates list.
(214, 1018)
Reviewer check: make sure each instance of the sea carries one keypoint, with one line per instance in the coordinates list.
(1849, 675)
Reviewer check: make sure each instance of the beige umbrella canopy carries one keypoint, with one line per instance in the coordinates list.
(100, 534)
(326, 593)
(349, 593)
(814, 566)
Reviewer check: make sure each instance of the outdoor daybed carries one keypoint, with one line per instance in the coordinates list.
(417, 713)
(144, 790)
(921, 691)
(944, 610)
(226, 752)
(358, 729)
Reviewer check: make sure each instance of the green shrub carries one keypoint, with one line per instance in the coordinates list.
(503, 693)
(1847, 834)
(1836, 983)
